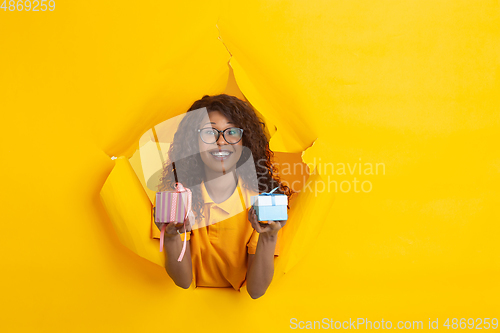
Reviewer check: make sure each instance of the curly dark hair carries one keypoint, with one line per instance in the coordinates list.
(191, 168)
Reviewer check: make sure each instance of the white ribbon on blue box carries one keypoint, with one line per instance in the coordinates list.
(270, 207)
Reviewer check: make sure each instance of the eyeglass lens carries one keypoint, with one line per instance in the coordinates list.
(211, 135)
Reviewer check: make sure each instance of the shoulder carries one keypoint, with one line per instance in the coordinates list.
(246, 192)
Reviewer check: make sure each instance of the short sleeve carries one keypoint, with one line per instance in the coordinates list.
(254, 239)
(184, 235)
(155, 232)
(191, 221)
(252, 243)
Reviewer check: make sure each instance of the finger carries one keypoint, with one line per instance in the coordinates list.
(272, 225)
(170, 229)
(250, 213)
(159, 225)
(264, 228)
(256, 225)
(252, 217)
(279, 224)
(184, 228)
(190, 221)
(175, 226)
(179, 226)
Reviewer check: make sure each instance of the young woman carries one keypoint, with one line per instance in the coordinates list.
(217, 154)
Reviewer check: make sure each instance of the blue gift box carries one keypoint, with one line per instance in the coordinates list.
(270, 207)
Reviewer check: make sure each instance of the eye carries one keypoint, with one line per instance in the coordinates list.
(208, 131)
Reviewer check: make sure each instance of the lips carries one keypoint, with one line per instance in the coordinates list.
(220, 155)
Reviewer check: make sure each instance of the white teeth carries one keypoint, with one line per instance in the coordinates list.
(221, 153)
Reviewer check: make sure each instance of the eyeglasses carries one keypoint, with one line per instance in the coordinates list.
(232, 135)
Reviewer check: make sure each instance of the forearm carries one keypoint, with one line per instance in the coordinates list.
(180, 271)
(261, 271)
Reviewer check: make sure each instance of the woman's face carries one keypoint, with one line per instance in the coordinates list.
(219, 156)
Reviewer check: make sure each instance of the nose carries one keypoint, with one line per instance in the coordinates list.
(221, 140)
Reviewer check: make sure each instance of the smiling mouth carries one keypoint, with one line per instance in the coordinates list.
(221, 155)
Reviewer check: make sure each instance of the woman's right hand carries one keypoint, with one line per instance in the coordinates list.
(172, 228)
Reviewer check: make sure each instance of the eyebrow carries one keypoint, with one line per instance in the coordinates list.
(229, 122)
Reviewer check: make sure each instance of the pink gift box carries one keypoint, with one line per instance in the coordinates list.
(172, 206)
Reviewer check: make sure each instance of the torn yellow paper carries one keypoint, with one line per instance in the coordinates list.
(129, 210)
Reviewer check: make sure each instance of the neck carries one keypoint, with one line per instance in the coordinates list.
(220, 186)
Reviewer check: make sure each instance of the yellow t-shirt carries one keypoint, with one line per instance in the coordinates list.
(219, 248)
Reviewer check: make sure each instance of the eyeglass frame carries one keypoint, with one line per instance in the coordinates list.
(219, 133)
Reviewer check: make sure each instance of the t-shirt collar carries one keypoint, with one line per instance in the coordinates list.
(234, 204)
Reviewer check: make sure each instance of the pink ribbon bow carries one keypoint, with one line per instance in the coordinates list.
(179, 189)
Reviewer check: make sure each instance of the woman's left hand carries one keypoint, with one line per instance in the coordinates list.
(270, 228)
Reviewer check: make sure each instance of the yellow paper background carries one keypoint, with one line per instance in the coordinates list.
(411, 84)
